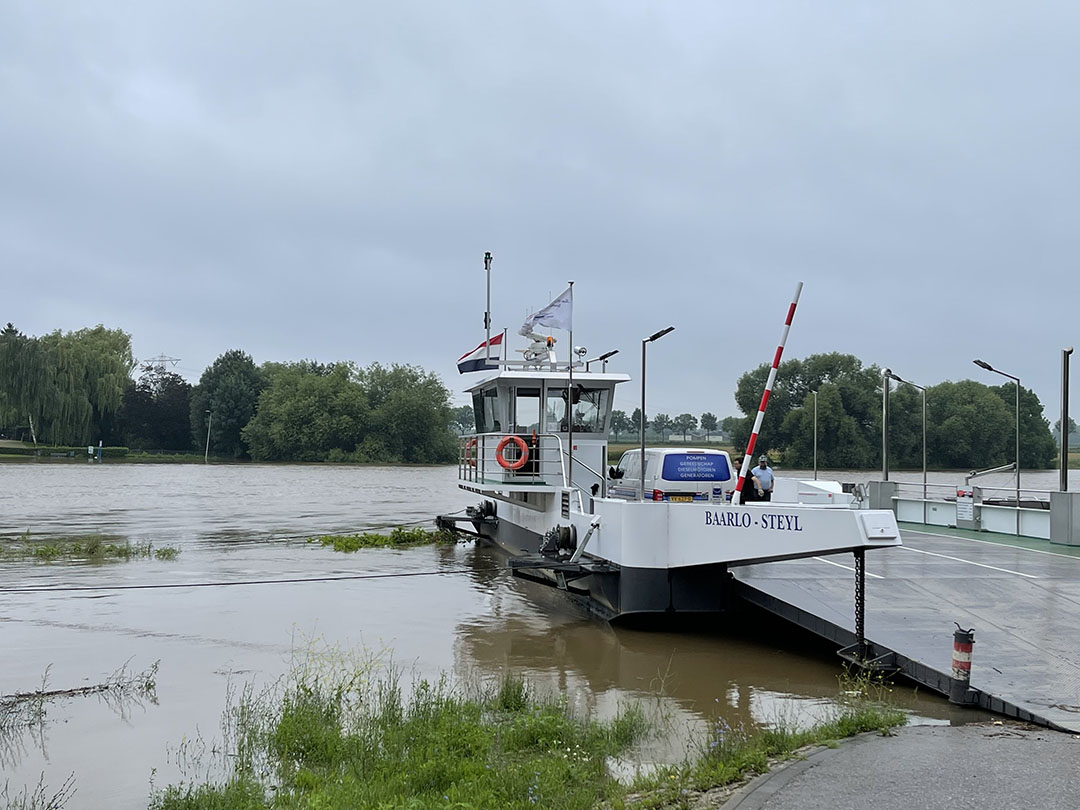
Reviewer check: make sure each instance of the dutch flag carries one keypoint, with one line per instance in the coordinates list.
(475, 360)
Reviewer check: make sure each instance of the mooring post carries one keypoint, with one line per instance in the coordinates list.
(961, 666)
(860, 602)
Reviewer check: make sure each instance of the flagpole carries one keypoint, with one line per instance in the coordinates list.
(487, 312)
(570, 395)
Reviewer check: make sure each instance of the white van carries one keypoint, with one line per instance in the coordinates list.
(674, 474)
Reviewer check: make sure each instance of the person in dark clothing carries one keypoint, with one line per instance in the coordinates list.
(751, 490)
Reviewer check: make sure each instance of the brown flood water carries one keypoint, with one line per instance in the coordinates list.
(461, 614)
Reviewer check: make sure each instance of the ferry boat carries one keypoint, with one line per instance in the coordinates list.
(539, 462)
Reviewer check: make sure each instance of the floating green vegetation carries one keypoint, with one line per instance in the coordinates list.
(351, 741)
(93, 547)
(400, 537)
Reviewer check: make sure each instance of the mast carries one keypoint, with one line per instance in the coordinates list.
(570, 397)
(487, 312)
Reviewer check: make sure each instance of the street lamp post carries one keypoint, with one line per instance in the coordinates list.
(1064, 461)
(644, 343)
(209, 422)
(988, 367)
(923, 390)
(886, 375)
(815, 435)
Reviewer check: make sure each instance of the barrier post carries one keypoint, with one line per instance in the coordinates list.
(961, 666)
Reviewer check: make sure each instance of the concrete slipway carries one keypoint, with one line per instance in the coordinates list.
(1021, 596)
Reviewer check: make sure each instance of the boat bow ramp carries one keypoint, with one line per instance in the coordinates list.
(1021, 597)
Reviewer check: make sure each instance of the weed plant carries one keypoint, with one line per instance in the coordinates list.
(348, 741)
(399, 537)
(92, 548)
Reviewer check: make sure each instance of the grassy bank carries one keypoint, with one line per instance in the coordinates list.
(350, 741)
(353, 741)
(91, 548)
(400, 537)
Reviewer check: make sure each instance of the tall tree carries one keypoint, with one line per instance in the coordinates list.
(620, 423)
(65, 382)
(306, 412)
(858, 388)
(709, 424)
(684, 423)
(229, 389)
(410, 415)
(464, 419)
(635, 421)
(1037, 448)
(662, 423)
(1074, 437)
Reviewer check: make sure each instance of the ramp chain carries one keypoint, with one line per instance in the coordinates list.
(860, 600)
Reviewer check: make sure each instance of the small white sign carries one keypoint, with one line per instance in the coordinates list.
(965, 504)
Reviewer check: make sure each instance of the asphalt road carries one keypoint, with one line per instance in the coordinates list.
(995, 766)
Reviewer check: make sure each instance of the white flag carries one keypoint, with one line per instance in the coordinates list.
(559, 314)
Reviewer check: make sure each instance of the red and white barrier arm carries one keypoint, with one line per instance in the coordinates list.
(748, 459)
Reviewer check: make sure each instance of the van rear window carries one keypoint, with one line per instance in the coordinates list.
(695, 467)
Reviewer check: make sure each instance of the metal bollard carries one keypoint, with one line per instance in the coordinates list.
(961, 665)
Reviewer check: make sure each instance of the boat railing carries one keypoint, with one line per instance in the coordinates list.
(994, 509)
(927, 491)
(543, 464)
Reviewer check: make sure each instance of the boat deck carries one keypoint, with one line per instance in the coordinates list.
(1021, 596)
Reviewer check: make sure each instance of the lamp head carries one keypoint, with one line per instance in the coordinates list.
(983, 364)
(660, 334)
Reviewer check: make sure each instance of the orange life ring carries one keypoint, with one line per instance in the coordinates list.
(522, 458)
(469, 445)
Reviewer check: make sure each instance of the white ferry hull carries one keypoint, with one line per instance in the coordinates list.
(656, 558)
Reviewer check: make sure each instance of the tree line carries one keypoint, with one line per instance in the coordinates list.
(77, 388)
(969, 425)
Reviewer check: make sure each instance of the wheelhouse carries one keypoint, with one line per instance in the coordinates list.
(529, 423)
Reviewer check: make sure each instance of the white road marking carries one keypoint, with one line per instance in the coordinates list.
(969, 562)
(992, 543)
(848, 567)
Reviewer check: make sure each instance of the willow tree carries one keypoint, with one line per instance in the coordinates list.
(20, 377)
(63, 382)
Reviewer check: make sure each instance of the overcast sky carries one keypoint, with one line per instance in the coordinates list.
(321, 180)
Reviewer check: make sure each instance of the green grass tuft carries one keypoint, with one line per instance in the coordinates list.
(399, 537)
(331, 737)
(347, 741)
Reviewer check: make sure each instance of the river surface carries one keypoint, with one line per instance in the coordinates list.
(456, 611)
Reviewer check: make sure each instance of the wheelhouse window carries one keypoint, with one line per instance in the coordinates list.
(485, 404)
(526, 410)
(590, 409)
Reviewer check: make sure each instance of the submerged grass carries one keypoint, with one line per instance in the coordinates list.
(399, 537)
(349, 741)
(93, 547)
(352, 741)
(732, 755)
